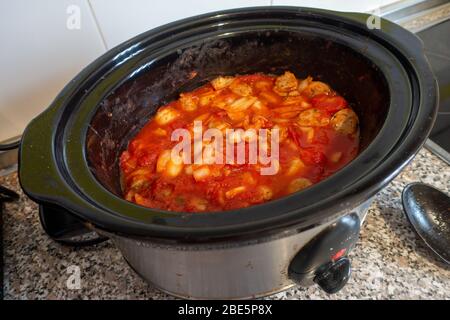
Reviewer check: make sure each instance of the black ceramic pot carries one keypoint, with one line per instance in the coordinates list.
(69, 154)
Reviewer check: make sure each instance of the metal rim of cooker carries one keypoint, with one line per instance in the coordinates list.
(59, 172)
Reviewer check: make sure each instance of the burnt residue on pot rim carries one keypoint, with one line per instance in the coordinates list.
(54, 166)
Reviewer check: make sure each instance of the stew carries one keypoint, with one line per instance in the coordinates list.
(306, 131)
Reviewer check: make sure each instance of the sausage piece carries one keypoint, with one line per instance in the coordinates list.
(345, 121)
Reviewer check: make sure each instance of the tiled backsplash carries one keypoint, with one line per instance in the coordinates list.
(120, 21)
(39, 55)
(45, 43)
(339, 5)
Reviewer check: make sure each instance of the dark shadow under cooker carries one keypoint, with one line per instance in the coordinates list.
(69, 154)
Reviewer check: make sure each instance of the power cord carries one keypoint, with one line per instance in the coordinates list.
(7, 195)
(10, 146)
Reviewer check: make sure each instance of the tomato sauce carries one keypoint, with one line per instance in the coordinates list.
(317, 129)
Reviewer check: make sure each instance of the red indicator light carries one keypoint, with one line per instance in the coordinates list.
(338, 254)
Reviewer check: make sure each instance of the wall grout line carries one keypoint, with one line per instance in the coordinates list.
(97, 24)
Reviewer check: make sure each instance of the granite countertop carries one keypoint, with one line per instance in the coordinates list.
(388, 262)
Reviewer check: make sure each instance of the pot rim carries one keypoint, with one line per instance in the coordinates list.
(64, 185)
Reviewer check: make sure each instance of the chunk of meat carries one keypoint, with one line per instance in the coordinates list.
(160, 132)
(167, 165)
(298, 184)
(303, 84)
(240, 104)
(270, 97)
(288, 111)
(345, 121)
(202, 173)
(315, 88)
(236, 116)
(219, 124)
(336, 156)
(295, 165)
(298, 101)
(313, 118)
(198, 204)
(166, 115)
(234, 192)
(259, 107)
(221, 82)
(188, 102)
(224, 99)
(241, 88)
(285, 83)
(259, 122)
(265, 192)
(206, 98)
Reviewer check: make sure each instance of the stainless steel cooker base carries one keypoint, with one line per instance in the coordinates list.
(228, 270)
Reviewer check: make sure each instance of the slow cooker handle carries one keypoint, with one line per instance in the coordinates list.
(42, 180)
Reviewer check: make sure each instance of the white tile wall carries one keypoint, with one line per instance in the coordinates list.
(39, 54)
(338, 5)
(120, 20)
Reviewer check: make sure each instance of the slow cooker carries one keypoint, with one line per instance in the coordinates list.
(69, 154)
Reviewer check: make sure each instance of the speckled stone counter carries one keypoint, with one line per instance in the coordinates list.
(389, 260)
